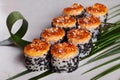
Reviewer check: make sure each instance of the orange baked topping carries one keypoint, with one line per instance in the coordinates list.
(64, 50)
(97, 10)
(90, 22)
(36, 48)
(73, 10)
(53, 34)
(78, 36)
(64, 21)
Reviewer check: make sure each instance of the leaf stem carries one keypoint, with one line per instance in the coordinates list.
(41, 75)
(20, 74)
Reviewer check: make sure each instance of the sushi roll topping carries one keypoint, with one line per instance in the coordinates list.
(64, 50)
(36, 48)
(53, 34)
(78, 36)
(64, 21)
(97, 10)
(73, 10)
(90, 22)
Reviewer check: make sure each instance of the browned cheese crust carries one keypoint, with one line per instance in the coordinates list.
(53, 34)
(90, 22)
(36, 48)
(64, 50)
(73, 10)
(64, 21)
(97, 10)
(78, 36)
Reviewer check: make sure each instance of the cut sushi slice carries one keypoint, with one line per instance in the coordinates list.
(81, 38)
(53, 35)
(65, 57)
(98, 10)
(65, 22)
(75, 10)
(36, 55)
(92, 24)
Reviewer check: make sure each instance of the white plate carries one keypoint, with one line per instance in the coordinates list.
(39, 14)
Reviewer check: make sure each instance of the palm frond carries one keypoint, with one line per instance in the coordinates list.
(105, 63)
(18, 75)
(105, 53)
(115, 7)
(109, 70)
(41, 75)
(118, 10)
(114, 16)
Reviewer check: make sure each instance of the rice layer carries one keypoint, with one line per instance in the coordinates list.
(37, 63)
(68, 65)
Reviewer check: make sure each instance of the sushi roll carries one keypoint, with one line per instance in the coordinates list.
(65, 22)
(92, 24)
(81, 38)
(98, 10)
(36, 55)
(53, 35)
(76, 10)
(64, 57)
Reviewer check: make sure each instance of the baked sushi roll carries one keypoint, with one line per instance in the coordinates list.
(36, 55)
(98, 10)
(76, 10)
(53, 35)
(65, 22)
(81, 38)
(92, 24)
(64, 57)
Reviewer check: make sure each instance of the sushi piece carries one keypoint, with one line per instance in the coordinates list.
(76, 10)
(53, 35)
(98, 10)
(92, 24)
(81, 38)
(64, 57)
(65, 22)
(36, 55)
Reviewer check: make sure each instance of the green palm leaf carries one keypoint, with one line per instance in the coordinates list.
(18, 75)
(115, 59)
(109, 52)
(114, 16)
(115, 7)
(41, 75)
(116, 67)
(114, 12)
(17, 37)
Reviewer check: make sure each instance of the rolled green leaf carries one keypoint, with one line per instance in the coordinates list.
(17, 37)
(12, 18)
(18, 41)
